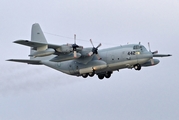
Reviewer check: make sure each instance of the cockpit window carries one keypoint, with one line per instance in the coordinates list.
(136, 47)
(141, 47)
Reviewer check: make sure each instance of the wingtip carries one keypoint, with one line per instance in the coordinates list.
(9, 60)
(19, 41)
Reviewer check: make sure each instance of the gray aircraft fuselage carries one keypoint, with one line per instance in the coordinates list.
(115, 58)
(78, 61)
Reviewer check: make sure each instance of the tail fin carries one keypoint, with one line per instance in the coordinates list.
(37, 36)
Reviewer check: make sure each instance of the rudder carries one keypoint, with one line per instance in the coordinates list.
(37, 35)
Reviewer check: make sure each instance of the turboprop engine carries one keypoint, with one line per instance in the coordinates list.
(43, 53)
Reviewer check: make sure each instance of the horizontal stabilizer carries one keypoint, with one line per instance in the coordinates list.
(161, 55)
(35, 62)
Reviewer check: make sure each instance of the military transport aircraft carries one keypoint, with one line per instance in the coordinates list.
(75, 60)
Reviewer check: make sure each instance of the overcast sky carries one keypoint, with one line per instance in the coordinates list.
(30, 92)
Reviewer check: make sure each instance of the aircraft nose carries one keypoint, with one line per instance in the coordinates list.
(149, 55)
(156, 61)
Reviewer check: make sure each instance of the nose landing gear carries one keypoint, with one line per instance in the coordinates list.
(137, 67)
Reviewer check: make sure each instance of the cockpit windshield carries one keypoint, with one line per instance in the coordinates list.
(139, 47)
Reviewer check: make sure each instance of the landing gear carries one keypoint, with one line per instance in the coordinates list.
(137, 67)
(85, 75)
(91, 74)
(101, 76)
(108, 75)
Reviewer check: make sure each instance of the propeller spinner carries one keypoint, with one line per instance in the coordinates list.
(94, 50)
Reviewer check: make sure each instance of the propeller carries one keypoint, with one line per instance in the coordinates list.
(155, 52)
(75, 47)
(94, 50)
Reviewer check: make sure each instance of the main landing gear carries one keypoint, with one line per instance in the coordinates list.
(100, 76)
(106, 75)
(137, 67)
(85, 75)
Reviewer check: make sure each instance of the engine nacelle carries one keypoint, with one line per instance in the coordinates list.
(65, 49)
(43, 53)
(68, 49)
(65, 57)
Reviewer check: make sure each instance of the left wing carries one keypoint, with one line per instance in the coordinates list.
(63, 52)
(66, 48)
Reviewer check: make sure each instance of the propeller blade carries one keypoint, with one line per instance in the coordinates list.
(75, 54)
(94, 50)
(97, 55)
(74, 38)
(98, 46)
(90, 53)
(91, 42)
(149, 46)
(155, 52)
(152, 61)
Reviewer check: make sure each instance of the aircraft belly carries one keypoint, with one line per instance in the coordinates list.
(126, 64)
(60, 66)
(144, 60)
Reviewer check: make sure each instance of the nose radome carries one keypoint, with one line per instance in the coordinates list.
(156, 61)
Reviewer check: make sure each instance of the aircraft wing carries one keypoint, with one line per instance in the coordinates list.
(35, 62)
(36, 44)
(161, 55)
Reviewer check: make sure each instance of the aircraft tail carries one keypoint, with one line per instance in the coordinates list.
(37, 35)
(39, 45)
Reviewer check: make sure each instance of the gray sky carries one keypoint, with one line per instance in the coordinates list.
(41, 93)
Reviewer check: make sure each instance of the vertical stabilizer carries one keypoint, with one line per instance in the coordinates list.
(37, 34)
